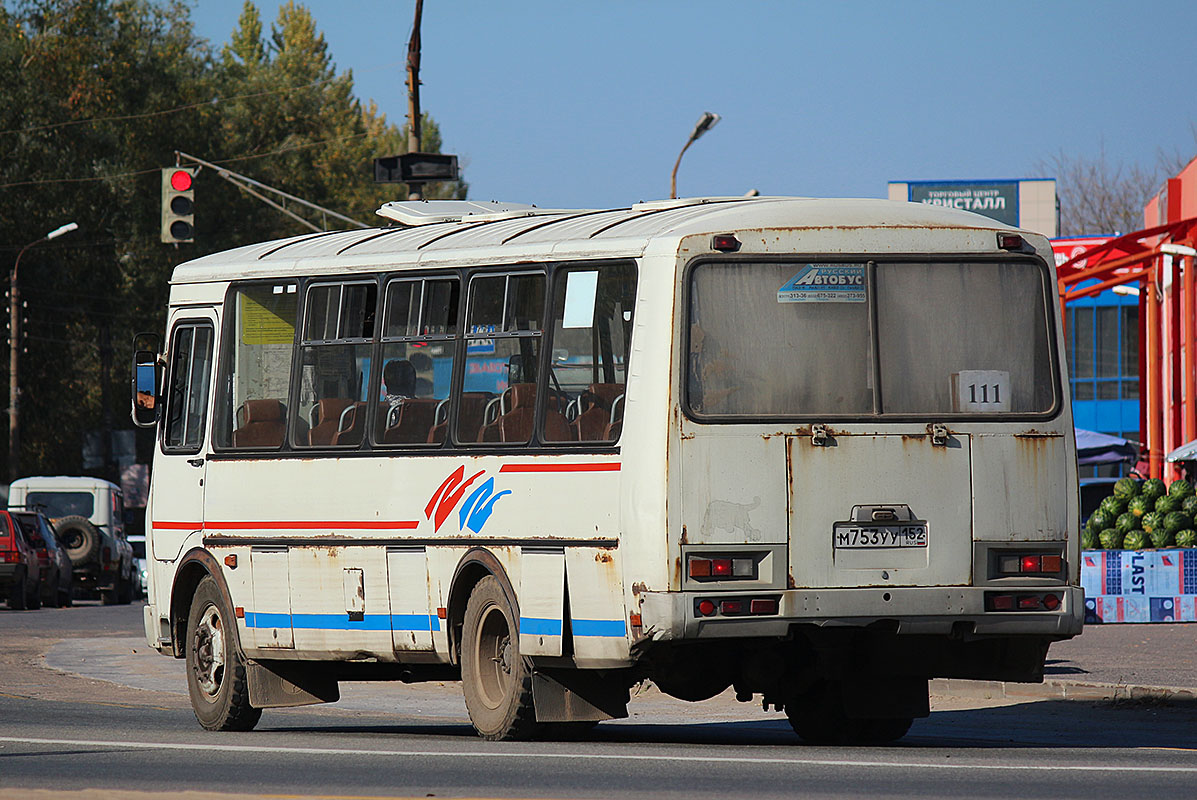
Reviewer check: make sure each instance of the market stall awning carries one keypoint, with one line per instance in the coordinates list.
(1186, 452)
(1101, 448)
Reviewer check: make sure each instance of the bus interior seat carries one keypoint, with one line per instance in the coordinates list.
(599, 401)
(469, 422)
(410, 421)
(351, 425)
(329, 413)
(261, 423)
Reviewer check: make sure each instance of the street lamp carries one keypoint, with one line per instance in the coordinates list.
(704, 124)
(14, 350)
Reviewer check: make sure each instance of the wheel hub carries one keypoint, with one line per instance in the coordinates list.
(207, 644)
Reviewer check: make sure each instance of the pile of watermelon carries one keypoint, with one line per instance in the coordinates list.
(1141, 515)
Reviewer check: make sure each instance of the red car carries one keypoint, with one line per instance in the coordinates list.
(20, 569)
(57, 570)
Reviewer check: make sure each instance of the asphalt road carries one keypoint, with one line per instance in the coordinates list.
(64, 729)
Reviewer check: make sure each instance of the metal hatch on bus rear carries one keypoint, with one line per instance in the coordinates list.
(859, 502)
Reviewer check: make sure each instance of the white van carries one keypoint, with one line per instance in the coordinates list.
(88, 515)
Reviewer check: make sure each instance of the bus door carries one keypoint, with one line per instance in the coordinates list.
(180, 466)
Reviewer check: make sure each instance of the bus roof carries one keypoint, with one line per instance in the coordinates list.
(513, 232)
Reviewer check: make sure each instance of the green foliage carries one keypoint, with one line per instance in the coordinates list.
(95, 97)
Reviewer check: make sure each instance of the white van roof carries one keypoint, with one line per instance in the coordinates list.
(61, 482)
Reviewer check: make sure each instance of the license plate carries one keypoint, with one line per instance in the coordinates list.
(854, 536)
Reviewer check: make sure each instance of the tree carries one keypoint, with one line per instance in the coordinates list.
(1099, 197)
(95, 98)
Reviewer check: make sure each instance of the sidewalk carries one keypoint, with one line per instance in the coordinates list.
(1106, 662)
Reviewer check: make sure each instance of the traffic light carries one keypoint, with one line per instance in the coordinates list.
(178, 204)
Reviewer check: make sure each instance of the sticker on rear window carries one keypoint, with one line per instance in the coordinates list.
(825, 283)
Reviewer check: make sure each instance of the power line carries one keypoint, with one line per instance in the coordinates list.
(280, 151)
(189, 106)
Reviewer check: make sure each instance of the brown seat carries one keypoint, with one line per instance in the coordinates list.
(469, 418)
(594, 423)
(352, 425)
(516, 424)
(261, 423)
(328, 420)
(409, 422)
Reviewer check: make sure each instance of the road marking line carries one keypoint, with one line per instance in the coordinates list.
(813, 762)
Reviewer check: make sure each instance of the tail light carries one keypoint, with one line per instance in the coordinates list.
(737, 607)
(1022, 602)
(9, 556)
(1031, 564)
(107, 554)
(722, 567)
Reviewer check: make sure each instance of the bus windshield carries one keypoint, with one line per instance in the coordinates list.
(794, 338)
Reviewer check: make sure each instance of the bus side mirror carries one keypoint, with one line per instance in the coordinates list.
(147, 380)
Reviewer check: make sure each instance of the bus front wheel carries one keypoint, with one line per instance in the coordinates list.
(496, 679)
(216, 674)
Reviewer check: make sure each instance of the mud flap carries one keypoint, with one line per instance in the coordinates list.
(278, 685)
(542, 600)
(574, 695)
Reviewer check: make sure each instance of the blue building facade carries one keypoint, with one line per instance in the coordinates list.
(1103, 362)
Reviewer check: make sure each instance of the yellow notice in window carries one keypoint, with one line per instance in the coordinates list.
(268, 315)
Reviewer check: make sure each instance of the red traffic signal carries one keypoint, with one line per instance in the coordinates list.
(178, 204)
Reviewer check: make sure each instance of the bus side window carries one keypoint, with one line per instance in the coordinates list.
(187, 386)
(504, 327)
(592, 326)
(255, 369)
(418, 350)
(334, 371)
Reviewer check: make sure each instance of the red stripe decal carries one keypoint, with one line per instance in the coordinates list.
(607, 467)
(177, 526)
(307, 525)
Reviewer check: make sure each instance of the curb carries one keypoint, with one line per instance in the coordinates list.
(1062, 690)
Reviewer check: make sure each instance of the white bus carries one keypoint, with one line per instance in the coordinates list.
(820, 451)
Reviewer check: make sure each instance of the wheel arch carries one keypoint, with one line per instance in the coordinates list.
(193, 568)
(475, 565)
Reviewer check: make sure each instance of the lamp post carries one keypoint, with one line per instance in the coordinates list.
(704, 124)
(14, 350)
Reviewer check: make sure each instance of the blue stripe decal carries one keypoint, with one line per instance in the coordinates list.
(599, 627)
(535, 626)
(341, 622)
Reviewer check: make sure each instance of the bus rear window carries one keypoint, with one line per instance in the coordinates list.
(796, 339)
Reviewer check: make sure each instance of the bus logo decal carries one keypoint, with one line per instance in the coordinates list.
(449, 495)
(478, 506)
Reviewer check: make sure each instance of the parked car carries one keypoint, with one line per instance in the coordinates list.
(88, 515)
(137, 540)
(20, 570)
(57, 571)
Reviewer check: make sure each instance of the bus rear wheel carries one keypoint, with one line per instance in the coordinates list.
(819, 717)
(496, 679)
(216, 674)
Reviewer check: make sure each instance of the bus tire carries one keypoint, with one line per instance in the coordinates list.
(819, 717)
(496, 679)
(216, 674)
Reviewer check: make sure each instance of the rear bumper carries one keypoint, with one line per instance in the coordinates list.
(8, 571)
(904, 610)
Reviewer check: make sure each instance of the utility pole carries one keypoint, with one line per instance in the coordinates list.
(413, 92)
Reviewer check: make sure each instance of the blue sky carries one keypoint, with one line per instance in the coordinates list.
(586, 104)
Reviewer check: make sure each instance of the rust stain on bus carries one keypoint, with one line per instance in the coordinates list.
(1034, 434)
(603, 558)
